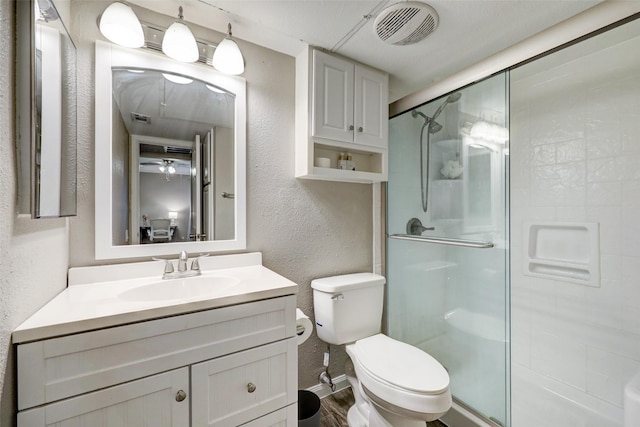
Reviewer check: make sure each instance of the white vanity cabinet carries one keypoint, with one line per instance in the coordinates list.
(341, 107)
(229, 366)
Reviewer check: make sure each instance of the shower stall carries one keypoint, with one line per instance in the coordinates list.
(447, 257)
(512, 236)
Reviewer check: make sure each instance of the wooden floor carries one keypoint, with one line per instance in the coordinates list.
(333, 410)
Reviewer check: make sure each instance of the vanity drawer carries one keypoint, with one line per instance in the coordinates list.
(58, 368)
(232, 390)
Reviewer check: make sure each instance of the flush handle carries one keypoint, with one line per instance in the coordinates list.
(180, 396)
(338, 297)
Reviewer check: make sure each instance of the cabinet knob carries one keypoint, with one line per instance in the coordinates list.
(360, 129)
(350, 127)
(251, 387)
(180, 396)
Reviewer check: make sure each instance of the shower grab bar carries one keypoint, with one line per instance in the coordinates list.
(444, 241)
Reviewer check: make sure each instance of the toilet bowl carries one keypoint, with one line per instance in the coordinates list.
(394, 383)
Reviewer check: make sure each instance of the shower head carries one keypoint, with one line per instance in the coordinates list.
(433, 125)
(454, 97)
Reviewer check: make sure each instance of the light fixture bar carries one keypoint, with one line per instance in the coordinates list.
(153, 35)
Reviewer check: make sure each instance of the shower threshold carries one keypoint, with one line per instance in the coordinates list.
(461, 415)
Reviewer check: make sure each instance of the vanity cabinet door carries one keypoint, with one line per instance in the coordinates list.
(235, 389)
(285, 417)
(157, 401)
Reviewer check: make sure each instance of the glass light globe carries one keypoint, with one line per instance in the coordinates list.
(178, 43)
(120, 25)
(227, 58)
(181, 80)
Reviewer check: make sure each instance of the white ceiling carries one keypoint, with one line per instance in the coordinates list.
(469, 30)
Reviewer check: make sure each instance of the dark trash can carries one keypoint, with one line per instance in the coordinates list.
(308, 409)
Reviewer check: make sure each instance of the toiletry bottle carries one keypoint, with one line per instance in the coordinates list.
(351, 165)
(342, 162)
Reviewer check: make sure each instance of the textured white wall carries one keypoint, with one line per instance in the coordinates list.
(575, 157)
(33, 253)
(304, 229)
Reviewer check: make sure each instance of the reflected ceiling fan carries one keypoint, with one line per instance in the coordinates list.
(164, 165)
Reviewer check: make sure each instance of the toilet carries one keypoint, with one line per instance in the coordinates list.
(394, 383)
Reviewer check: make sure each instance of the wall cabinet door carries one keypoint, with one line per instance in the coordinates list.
(154, 401)
(332, 97)
(371, 109)
(350, 101)
(235, 389)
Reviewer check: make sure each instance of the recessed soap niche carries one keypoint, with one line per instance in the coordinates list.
(568, 252)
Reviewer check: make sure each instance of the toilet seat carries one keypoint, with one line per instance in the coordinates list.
(400, 374)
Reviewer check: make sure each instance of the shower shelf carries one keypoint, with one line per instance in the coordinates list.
(444, 241)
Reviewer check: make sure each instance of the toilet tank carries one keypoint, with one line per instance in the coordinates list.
(348, 307)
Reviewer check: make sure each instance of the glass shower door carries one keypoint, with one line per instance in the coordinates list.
(447, 245)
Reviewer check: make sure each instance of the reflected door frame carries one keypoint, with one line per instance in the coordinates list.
(134, 177)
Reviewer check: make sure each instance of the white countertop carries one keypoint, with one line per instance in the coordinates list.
(96, 305)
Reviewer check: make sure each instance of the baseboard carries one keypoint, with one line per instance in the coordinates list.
(323, 390)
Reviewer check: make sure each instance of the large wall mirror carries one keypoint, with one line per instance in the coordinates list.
(46, 110)
(170, 156)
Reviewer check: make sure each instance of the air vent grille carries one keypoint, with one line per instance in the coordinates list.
(406, 23)
(140, 118)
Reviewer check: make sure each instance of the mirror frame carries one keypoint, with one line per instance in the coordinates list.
(109, 55)
(56, 196)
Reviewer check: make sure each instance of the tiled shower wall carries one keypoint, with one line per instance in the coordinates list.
(575, 157)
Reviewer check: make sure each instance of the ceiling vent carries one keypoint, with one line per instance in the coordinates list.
(140, 118)
(406, 23)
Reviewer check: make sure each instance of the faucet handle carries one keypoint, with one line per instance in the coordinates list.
(168, 266)
(195, 265)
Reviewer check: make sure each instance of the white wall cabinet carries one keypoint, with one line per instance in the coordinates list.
(341, 107)
(222, 367)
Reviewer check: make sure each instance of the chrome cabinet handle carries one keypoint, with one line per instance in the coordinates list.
(251, 387)
(180, 396)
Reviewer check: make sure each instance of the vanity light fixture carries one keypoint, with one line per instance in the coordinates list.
(178, 41)
(227, 57)
(120, 25)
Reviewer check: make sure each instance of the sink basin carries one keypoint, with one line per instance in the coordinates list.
(180, 289)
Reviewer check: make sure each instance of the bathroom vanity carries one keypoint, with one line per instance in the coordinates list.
(216, 351)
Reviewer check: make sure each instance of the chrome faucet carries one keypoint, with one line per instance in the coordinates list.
(182, 261)
(182, 272)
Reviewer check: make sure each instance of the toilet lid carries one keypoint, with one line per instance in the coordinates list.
(401, 365)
